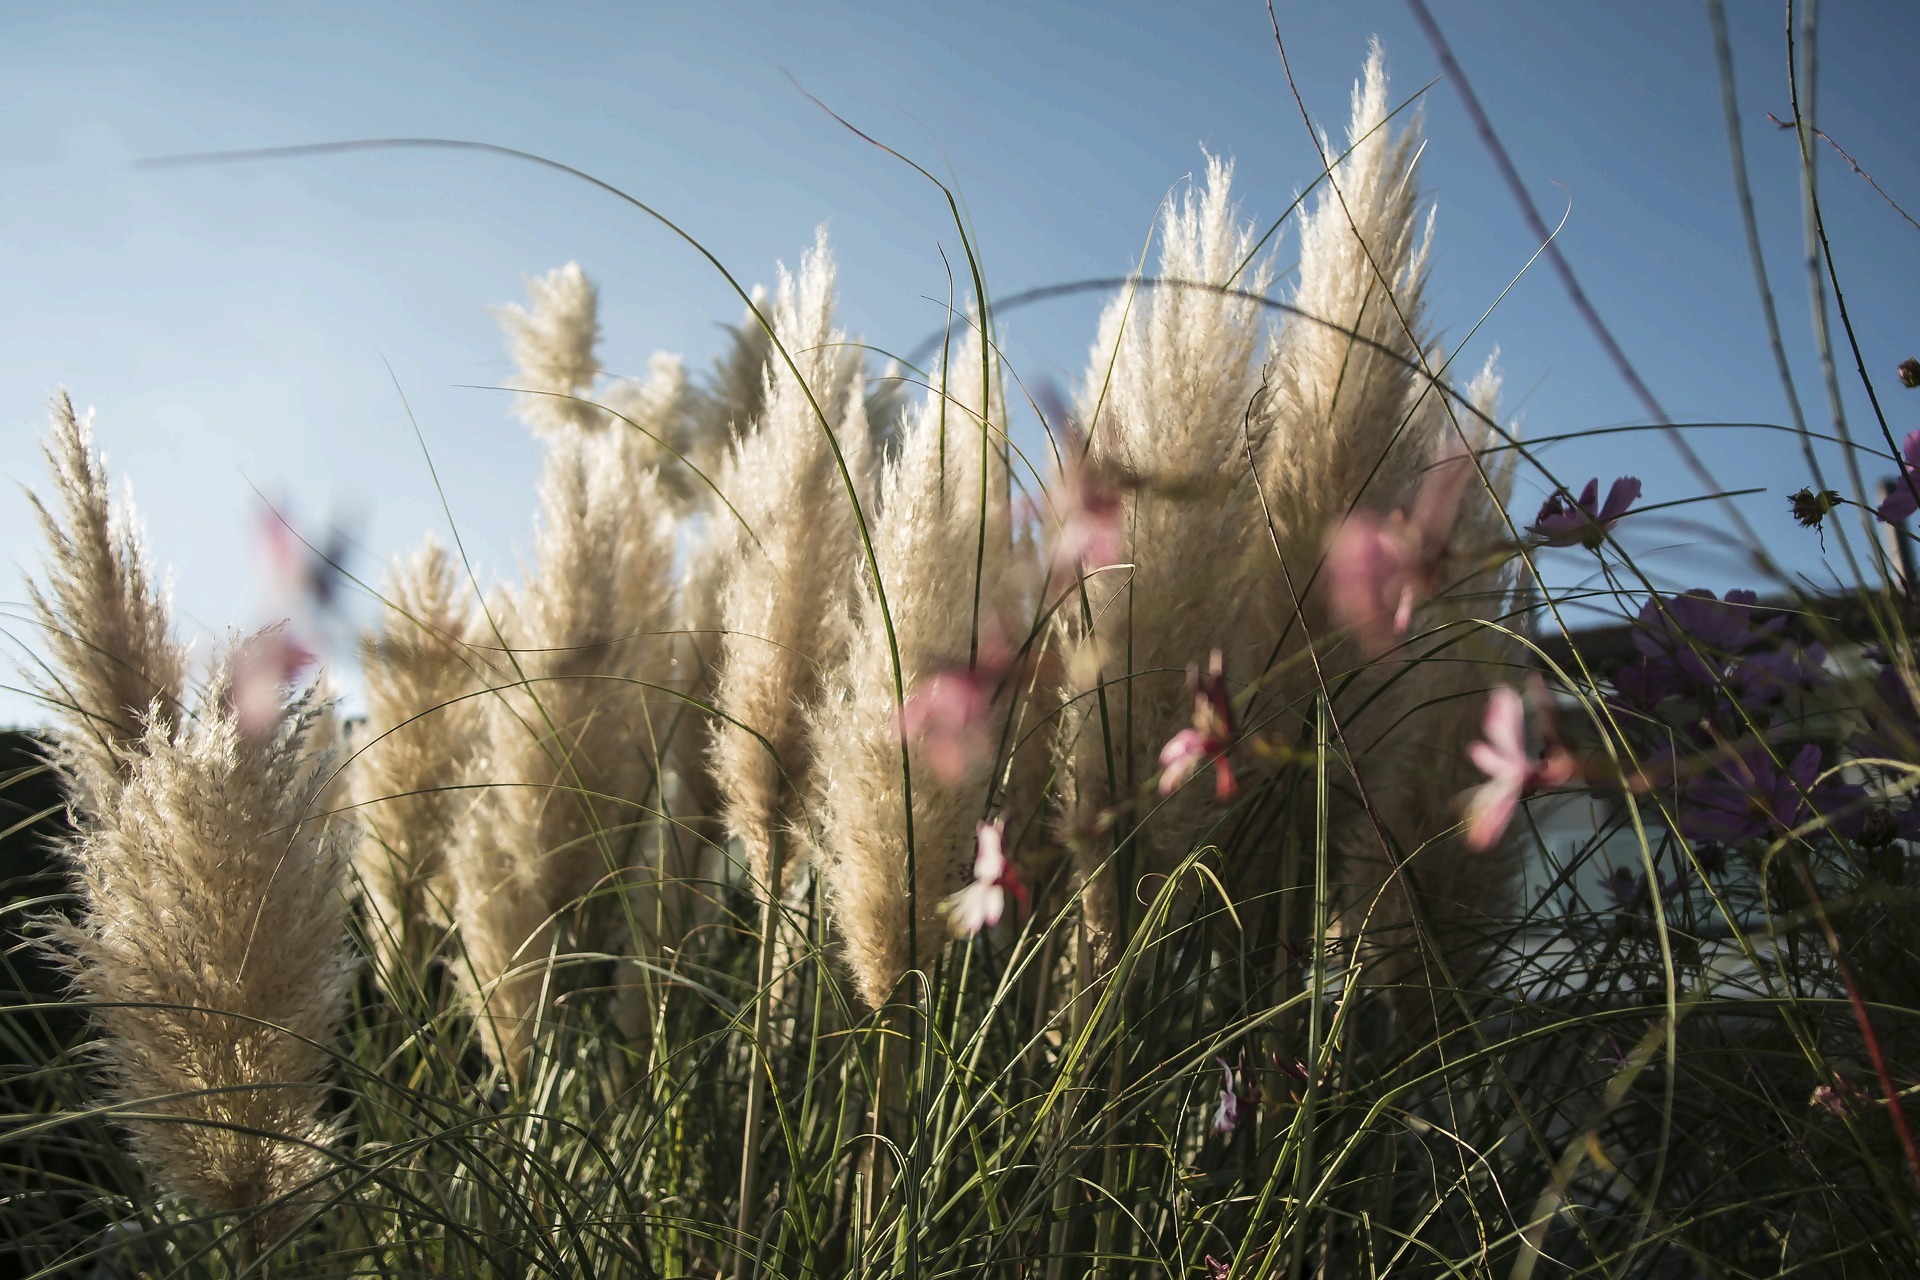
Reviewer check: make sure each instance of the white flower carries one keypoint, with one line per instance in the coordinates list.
(981, 904)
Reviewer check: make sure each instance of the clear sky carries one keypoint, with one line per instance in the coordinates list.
(235, 327)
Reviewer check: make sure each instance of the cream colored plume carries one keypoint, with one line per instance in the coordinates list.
(571, 737)
(941, 528)
(213, 935)
(1343, 379)
(424, 716)
(552, 342)
(104, 618)
(1170, 383)
(789, 561)
(212, 930)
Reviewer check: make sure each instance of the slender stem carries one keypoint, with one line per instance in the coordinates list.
(757, 1079)
(1303, 1166)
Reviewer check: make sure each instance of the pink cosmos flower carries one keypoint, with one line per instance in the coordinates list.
(1581, 522)
(1379, 569)
(1511, 771)
(263, 666)
(981, 904)
(1209, 739)
(1899, 504)
(947, 715)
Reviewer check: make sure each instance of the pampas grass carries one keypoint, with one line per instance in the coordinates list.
(653, 843)
(1170, 383)
(787, 565)
(213, 945)
(566, 779)
(211, 935)
(423, 725)
(116, 667)
(947, 522)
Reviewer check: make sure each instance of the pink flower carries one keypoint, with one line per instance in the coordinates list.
(1087, 497)
(1899, 503)
(1090, 506)
(1580, 522)
(263, 666)
(1511, 771)
(1379, 569)
(305, 574)
(981, 904)
(947, 715)
(1209, 739)
(1226, 1117)
(1838, 1098)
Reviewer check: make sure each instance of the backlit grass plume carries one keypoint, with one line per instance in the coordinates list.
(104, 617)
(211, 931)
(424, 713)
(1169, 386)
(213, 941)
(1342, 380)
(1409, 884)
(946, 525)
(789, 560)
(553, 342)
(569, 764)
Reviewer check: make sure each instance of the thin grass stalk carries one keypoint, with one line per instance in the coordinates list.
(1316, 1049)
(760, 1050)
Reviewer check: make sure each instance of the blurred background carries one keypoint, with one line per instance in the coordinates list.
(276, 331)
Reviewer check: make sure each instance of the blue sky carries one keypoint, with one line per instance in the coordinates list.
(234, 327)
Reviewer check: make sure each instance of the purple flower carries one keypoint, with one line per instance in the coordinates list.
(1688, 642)
(1893, 725)
(1626, 887)
(1747, 797)
(1218, 1270)
(1838, 1098)
(1900, 504)
(1585, 521)
(1762, 679)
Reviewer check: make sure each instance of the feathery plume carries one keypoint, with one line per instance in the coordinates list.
(104, 617)
(781, 607)
(944, 495)
(423, 723)
(1340, 390)
(552, 342)
(1170, 383)
(570, 748)
(212, 928)
(213, 934)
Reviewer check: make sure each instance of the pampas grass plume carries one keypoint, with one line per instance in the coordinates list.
(782, 606)
(928, 543)
(422, 727)
(104, 617)
(213, 937)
